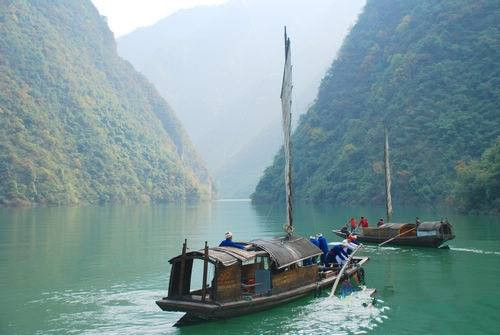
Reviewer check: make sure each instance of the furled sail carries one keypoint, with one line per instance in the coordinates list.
(286, 106)
(388, 200)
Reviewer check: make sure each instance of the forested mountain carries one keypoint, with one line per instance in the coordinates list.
(220, 67)
(479, 183)
(77, 123)
(430, 72)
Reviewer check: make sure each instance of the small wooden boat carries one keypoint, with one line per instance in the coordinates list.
(427, 234)
(264, 274)
(270, 273)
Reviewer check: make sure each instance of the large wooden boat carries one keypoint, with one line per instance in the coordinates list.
(264, 274)
(239, 282)
(426, 234)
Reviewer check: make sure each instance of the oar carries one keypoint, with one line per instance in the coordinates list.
(392, 238)
(342, 270)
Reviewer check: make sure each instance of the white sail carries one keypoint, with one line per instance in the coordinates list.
(388, 200)
(286, 106)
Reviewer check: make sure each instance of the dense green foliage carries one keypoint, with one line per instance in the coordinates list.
(77, 123)
(479, 183)
(430, 71)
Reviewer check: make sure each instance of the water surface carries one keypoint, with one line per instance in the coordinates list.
(99, 269)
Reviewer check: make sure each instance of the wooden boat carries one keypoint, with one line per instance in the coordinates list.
(272, 272)
(264, 274)
(419, 234)
(428, 234)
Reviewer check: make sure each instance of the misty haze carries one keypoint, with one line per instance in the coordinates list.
(249, 167)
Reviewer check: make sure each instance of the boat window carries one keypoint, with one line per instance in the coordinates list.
(426, 233)
(263, 262)
(251, 261)
(197, 276)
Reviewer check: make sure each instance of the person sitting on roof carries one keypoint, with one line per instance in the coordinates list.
(323, 245)
(228, 242)
(380, 222)
(417, 221)
(338, 254)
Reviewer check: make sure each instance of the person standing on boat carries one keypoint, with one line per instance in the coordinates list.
(360, 222)
(323, 245)
(380, 222)
(354, 224)
(228, 242)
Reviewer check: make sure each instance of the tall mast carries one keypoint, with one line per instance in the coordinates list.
(388, 200)
(286, 107)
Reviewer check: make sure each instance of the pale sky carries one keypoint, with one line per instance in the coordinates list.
(124, 16)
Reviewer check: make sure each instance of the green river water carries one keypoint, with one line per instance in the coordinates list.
(98, 270)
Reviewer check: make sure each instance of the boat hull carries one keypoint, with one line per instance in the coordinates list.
(214, 311)
(416, 241)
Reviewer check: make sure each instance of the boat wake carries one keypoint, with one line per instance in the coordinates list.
(357, 313)
(476, 251)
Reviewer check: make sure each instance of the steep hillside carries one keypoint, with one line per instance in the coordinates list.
(430, 71)
(78, 124)
(479, 183)
(220, 67)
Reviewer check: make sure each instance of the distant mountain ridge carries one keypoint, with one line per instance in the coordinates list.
(220, 67)
(80, 125)
(430, 72)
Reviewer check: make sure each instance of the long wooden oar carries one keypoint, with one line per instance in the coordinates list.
(392, 238)
(336, 283)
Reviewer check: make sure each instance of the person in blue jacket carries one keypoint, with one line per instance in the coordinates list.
(228, 242)
(323, 245)
(314, 241)
(312, 260)
(338, 254)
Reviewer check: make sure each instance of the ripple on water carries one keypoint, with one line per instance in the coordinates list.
(116, 311)
(134, 311)
(476, 251)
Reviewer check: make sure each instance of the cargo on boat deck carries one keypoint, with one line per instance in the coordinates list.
(389, 230)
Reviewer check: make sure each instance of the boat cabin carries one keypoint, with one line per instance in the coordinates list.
(389, 230)
(435, 228)
(230, 274)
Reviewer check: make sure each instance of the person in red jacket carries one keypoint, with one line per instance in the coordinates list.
(354, 224)
(364, 222)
